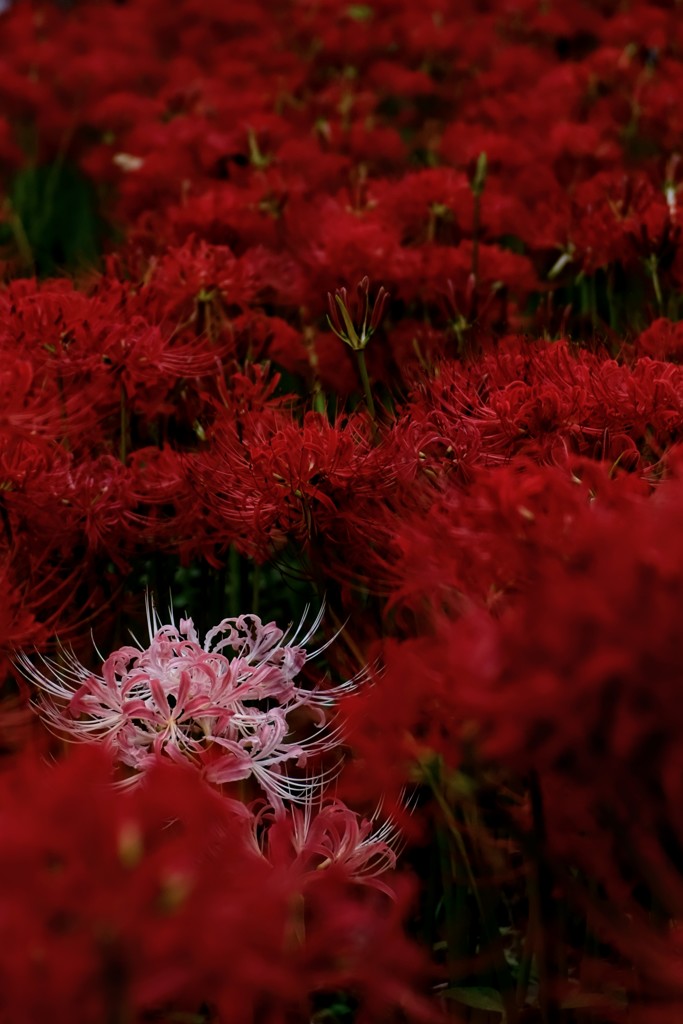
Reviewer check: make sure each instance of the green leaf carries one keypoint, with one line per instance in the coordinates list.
(360, 12)
(480, 174)
(54, 207)
(479, 998)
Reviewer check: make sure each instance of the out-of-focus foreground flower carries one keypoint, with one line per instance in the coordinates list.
(151, 903)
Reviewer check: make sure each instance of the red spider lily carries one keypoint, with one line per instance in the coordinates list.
(662, 340)
(280, 480)
(473, 555)
(555, 683)
(162, 513)
(546, 400)
(327, 235)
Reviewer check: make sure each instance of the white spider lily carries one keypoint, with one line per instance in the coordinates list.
(223, 705)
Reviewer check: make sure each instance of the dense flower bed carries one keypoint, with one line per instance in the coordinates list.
(363, 317)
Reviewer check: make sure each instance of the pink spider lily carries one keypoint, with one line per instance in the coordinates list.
(223, 705)
(323, 833)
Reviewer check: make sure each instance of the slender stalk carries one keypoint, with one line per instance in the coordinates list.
(543, 910)
(652, 267)
(476, 221)
(123, 448)
(487, 912)
(455, 947)
(319, 402)
(365, 381)
(255, 587)
(234, 581)
(477, 189)
(21, 240)
(593, 301)
(524, 975)
(611, 300)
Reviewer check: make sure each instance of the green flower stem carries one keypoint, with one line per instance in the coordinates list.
(477, 189)
(21, 240)
(524, 976)
(365, 381)
(476, 221)
(123, 447)
(652, 267)
(543, 910)
(456, 917)
(255, 587)
(485, 904)
(234, 581)
(319, 401)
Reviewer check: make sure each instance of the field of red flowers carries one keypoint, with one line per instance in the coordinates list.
(341, 512)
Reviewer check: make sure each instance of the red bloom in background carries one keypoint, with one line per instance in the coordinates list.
(280, 481)
(662, 340)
